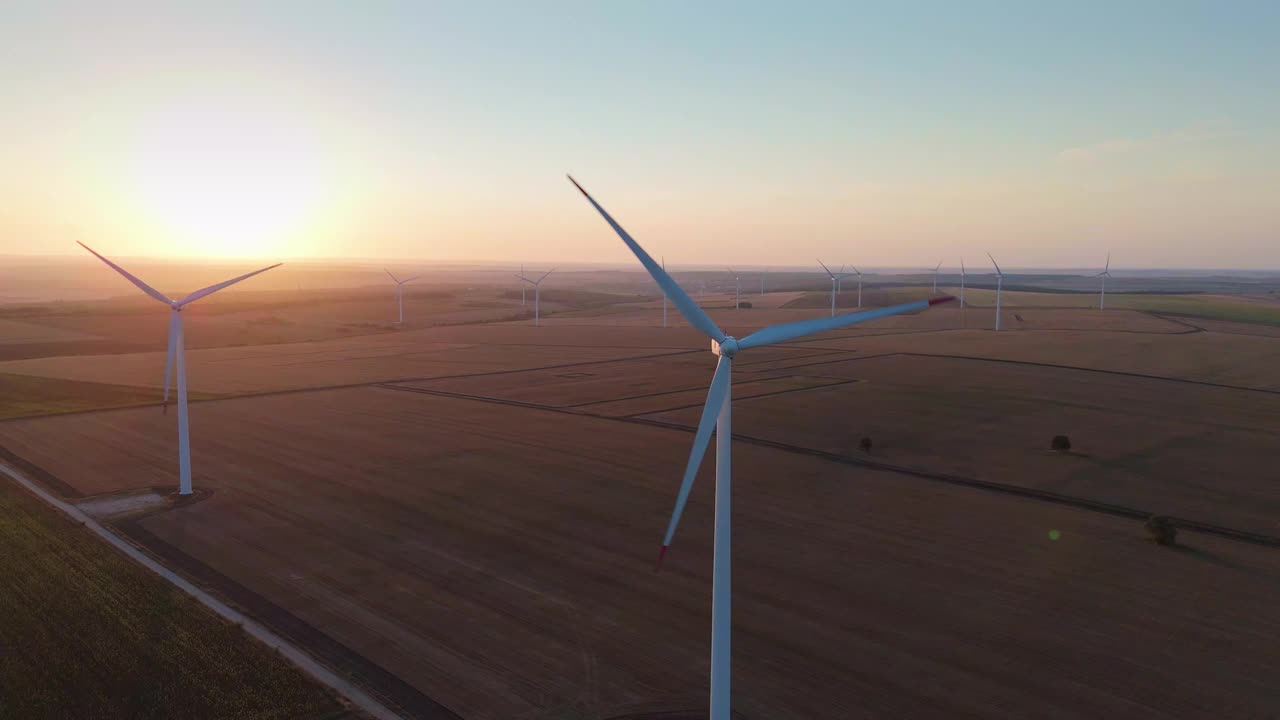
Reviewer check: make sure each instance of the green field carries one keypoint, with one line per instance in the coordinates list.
(29, 396)
(86, 633)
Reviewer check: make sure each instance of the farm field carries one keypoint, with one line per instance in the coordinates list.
(1203, 453)
(485, 542)
(1235, 308)
(464, 518)
(86, 633)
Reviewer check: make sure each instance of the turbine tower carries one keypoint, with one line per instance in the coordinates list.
(999, 283)
(961, 283)
(522, 286)
(737, 288)
(717, 414)
(400, 291)
(176, 358)
(537, 294)
(1106, 273)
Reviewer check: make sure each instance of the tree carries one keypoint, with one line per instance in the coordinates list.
(1061, 443)
(1162, 530)
(865, 444)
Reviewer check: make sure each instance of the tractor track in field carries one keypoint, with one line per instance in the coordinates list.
(1047, 496)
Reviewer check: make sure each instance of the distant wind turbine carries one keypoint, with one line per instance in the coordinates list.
(961, 283)
(537, 294)
(400, 291)
(1106, 273)
(520, 275)
(858, 272)
(999, 283)
(935, 277)
(717, 414)
(737, 287)
(176, 359)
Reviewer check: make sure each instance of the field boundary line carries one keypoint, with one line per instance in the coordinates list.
(300, 659)
(1124, 373)
(1027, 493)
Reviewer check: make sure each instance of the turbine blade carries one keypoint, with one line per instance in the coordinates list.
(409, 280)
(685, 304)
(710, 412)
(993, 262)
(544, 276)
(856, 271)
(1108, 267)
(939, 266)
(215, 288)
(793, 330)
(961, 266)
(824, 267)
(393, 277)
(140, 285)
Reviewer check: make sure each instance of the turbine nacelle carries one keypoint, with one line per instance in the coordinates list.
(728, 347)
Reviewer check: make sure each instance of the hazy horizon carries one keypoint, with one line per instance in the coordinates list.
(717, 133)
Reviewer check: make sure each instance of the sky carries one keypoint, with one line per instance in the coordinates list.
(740, 133)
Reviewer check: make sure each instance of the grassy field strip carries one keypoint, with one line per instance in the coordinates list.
(292, 653)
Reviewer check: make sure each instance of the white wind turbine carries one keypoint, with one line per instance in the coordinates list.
(400, 291)
(177, 356)
(858, 272)
(537, 293)
(717, 414)
(1106, 273)
(522, 287)
(835, 285)
(935, 277)
(737, 288)
(999, 283)
(961, 283)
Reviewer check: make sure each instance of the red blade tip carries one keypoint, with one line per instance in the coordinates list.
(662, 553)
(941, 299)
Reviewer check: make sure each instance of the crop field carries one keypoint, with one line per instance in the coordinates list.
(464, 519)
(480, 545)
(86, 633)
(26, 396)
(1232, 308)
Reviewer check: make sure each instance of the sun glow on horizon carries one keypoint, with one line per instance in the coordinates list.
(226, 179)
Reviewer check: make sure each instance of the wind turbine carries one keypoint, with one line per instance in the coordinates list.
(400, 291)
(999, 283)
(1106, 273)
(935, 277)
(522, 287)
(537, 294)
(858, 272)
(834, 280)
(737, 287)
(177, 355)
(717, 414)
(961, 283)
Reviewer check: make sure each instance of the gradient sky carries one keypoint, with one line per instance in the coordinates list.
(717, 132)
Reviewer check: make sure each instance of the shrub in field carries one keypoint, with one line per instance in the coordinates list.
(1061, 443)
(745, 304)
(865, 444)
(1162, 530)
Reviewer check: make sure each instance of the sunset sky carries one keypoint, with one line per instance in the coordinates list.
(717, 132)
